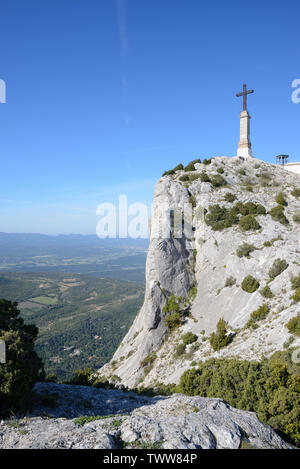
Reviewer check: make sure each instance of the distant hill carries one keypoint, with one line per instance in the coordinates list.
(123, 259)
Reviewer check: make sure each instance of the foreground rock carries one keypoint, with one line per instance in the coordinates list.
(132, 421)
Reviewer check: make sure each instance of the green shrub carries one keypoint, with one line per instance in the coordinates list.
(296, 296)
(172, 308)
(295, 282)
(220, 338)
(229, 197)
(193, 200)
(250, 284)
(172, 304)
(230, 281)
(193, 293)
(249, 188)
(280, 199)
(207, 161)
(173, 321)
(244, 250)
(219, 217)
(193, 177)
(277, 213)
(189, 338)
(220, 170)
(270, 388)
(217, 180)
(204, 177)
(91, 418)
(296, 217)
(179, 350)
(216, 214)
(266, 292)
(248, 222)
(279, 265)
(242, 172)
(178, 167)
(261, 313)
(184, 178)
(149, 359)
(249, 208)
(272, 241)
(294, 325)
(190, 167)
(168, 173)
(23, 367)
(251, 324)
(296, 193)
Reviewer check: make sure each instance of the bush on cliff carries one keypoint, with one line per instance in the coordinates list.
(248, 222)
(279, 265)
(220, 338)
(294, 325)
(22, 367)
(271, 388)
(217, 180)
(280, 199)
(189, 338)
(245, 249)
(258, 315)
(250, 284)
(277, 213)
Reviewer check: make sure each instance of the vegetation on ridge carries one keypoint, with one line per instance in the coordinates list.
(270, 387)
(23, 367)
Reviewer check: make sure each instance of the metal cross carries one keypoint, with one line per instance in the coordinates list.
(244, 94)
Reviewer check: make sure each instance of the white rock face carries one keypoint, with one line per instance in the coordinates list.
(172, 269)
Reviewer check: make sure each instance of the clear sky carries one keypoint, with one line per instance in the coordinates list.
(104, 95)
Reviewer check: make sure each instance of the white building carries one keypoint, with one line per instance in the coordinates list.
(293, 167)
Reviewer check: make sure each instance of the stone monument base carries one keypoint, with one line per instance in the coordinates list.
(245, 152)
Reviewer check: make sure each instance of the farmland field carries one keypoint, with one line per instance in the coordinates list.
(81, 319)
(83, 294)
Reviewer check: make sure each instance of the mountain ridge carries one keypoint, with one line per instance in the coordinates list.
(195, 274)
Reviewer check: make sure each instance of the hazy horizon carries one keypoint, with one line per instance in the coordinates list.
(103, 97)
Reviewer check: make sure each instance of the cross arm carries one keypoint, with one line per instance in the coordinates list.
(244, 92)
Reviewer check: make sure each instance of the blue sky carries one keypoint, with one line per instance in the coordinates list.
(104, 95)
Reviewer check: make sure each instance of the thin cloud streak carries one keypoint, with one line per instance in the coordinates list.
(124, 42)
(122, 28)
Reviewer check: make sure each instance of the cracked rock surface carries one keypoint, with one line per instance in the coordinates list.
(132, 421)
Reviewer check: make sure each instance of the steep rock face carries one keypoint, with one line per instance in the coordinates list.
(205, 257)
(168, 270)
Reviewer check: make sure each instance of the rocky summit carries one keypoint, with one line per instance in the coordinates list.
(236, 263)
(119, 420)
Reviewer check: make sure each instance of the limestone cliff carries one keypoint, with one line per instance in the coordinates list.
(203, 273)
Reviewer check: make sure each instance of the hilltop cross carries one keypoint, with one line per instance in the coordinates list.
(244, 148)
(244, 94)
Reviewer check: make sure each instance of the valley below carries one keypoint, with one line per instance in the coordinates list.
(79, 291)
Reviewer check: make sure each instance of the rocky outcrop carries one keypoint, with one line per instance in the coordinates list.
(120, 420)
(205, 258)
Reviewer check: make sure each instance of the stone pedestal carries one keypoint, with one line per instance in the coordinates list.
(244, 148)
